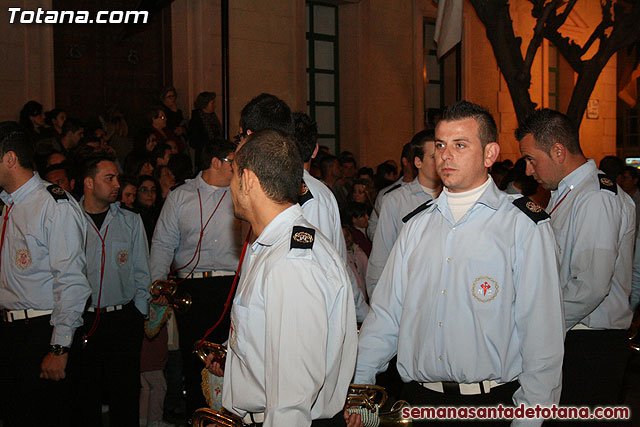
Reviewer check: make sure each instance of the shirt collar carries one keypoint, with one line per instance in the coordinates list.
(114, 209)
(22, 192)
(273, 231)
(202, 185)
(576, 177)
(490, 198)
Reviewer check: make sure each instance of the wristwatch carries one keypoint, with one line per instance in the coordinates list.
(58, 350)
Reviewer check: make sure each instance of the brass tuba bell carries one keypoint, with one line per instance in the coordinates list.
(178, 299)
(219, 351)
(366, 400)
(208, 417)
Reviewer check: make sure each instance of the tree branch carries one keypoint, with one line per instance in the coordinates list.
(538, 32)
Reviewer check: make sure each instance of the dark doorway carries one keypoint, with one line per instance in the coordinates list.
(98, 66)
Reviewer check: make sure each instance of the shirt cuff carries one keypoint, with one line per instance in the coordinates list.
(62, 335)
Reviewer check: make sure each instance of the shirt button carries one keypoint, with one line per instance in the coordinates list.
(439, 323)
(441, 358)
(453, 229)
(448, 259)
(444, 292)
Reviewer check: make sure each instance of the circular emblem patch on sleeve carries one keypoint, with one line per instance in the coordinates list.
(23, 258)
(303, 237)
(303, 189)
(484, 289)
(122, 257)
(534, 207)
(606, 181)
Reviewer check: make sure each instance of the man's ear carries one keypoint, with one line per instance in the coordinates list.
(10, 159)
(249, 181)
(315, 151)
(491, 153)
(88, 182)
(558, 153)
(216, 163)
(417, 162)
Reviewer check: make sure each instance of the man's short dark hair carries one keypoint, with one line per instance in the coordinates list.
(343, 160)
(275, 159)
(326, 162)
(357, 210)
(220, 149)
(266, 111)
(417, 143)
(306, 134)
(89, 163)
(612, 166)
(487, 129)
(13, 137)
(71, 125)
(549, 127)
(64, 166)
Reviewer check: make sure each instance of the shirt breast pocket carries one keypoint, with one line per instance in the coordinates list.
(121, 260)
(238, 332)
(486, 284)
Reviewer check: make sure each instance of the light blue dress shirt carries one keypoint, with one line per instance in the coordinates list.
(177, 232)
(126, 270)
(470, 301)
(322, 212)
(43, 263)
(397, 204)
(293, 338)
(595, 230)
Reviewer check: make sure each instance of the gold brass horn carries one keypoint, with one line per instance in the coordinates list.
(178, 299)
(366, 400)
(208, 417)
(219, 351)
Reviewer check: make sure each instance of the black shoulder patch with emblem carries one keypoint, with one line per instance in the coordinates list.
(57, 192)
(395, 187)
(302, 237)
(531, 208)
(417, 210)
(607, 183)
(304, 195)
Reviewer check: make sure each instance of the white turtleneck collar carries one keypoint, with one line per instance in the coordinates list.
(460, 203)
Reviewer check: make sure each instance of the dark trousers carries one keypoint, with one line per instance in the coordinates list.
(593, 367)
(336, 421)
(25, 399)
(109, 364)
(209, 296)
(417, 395)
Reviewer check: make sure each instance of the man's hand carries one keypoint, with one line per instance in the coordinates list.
(159, 299)
(214, 367)
(53, 367)
(352, 420)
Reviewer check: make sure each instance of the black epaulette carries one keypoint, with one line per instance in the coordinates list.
(395, 187)
(127, 208)
(302, 237)
(417, 210)
(57, 192)
(607, 183)
(304, 195)
(531, 208)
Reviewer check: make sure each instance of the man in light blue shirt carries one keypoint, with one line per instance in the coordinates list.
(594, 225)
(43, 287)
(198, 234)
(470, 297)
(118, 271)
(403, 200)
(293, 339)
